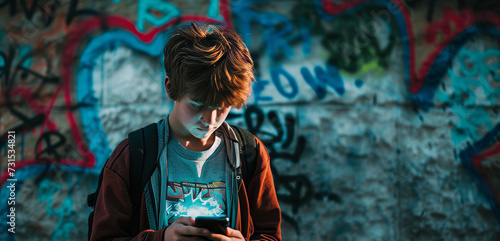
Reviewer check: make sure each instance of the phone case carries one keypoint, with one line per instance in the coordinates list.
(213, 224)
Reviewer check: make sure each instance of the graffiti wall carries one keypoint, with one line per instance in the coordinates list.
(381, 117)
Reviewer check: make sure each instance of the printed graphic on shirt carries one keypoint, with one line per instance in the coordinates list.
(195, 199)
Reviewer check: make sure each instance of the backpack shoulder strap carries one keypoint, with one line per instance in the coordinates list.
(143, 144)
(247, 154)
(142, 165)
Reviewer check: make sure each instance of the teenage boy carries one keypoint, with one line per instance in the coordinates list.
(209, 71)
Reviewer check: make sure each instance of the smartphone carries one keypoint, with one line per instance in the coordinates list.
(213, 224)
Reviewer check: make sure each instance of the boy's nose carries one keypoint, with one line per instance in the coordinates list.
(209, 117)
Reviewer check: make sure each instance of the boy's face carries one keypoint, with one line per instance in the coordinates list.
(196, 119)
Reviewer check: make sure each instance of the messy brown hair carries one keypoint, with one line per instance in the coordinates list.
(210, 63)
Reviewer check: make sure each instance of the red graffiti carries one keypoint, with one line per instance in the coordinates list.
(75, 38)
(478, 159)
(74, 41)
(461, 21)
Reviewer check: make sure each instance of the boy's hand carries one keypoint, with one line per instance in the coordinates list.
(232, 234)
(182, 229)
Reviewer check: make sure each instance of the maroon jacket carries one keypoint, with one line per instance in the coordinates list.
(259, 214)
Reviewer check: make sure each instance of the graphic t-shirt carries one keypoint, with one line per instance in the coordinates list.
(196, 181)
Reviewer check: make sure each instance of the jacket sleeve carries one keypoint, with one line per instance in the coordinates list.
(113, 209)
(264, 207)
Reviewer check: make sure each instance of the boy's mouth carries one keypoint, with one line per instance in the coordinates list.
(203, 129)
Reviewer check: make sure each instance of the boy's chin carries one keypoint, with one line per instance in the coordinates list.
(201, 135)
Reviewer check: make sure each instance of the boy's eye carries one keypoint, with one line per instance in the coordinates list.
(195, 106)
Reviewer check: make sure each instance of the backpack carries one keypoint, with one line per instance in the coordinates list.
(143, 169)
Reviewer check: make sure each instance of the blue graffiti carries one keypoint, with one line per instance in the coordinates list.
(242, 7)
(46, 192)
(91, 121)
(424, 98)
(482, 69)
(257, 89)
(25, 50)
(331, 77)
(276, 28)
(213, 10)
(276, 72)
(359, 83)
(467, 158)
(2, 64)
(288, 87)
(277, 44)
(25, 173)
(143, 13)
(278, 31)
(306, 39)
(471, 114)
(22, 52)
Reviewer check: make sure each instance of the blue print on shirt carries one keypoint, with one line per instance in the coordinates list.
(195, 199)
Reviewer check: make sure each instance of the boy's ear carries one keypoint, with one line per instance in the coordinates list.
(167, 85)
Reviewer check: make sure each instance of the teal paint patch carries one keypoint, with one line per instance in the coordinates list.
(168, 10)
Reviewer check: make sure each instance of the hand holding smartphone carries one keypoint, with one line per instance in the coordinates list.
(213, 224)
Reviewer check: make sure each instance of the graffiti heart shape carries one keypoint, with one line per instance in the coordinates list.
(121, 32)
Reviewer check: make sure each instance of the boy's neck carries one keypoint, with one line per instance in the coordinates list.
(185, 138)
